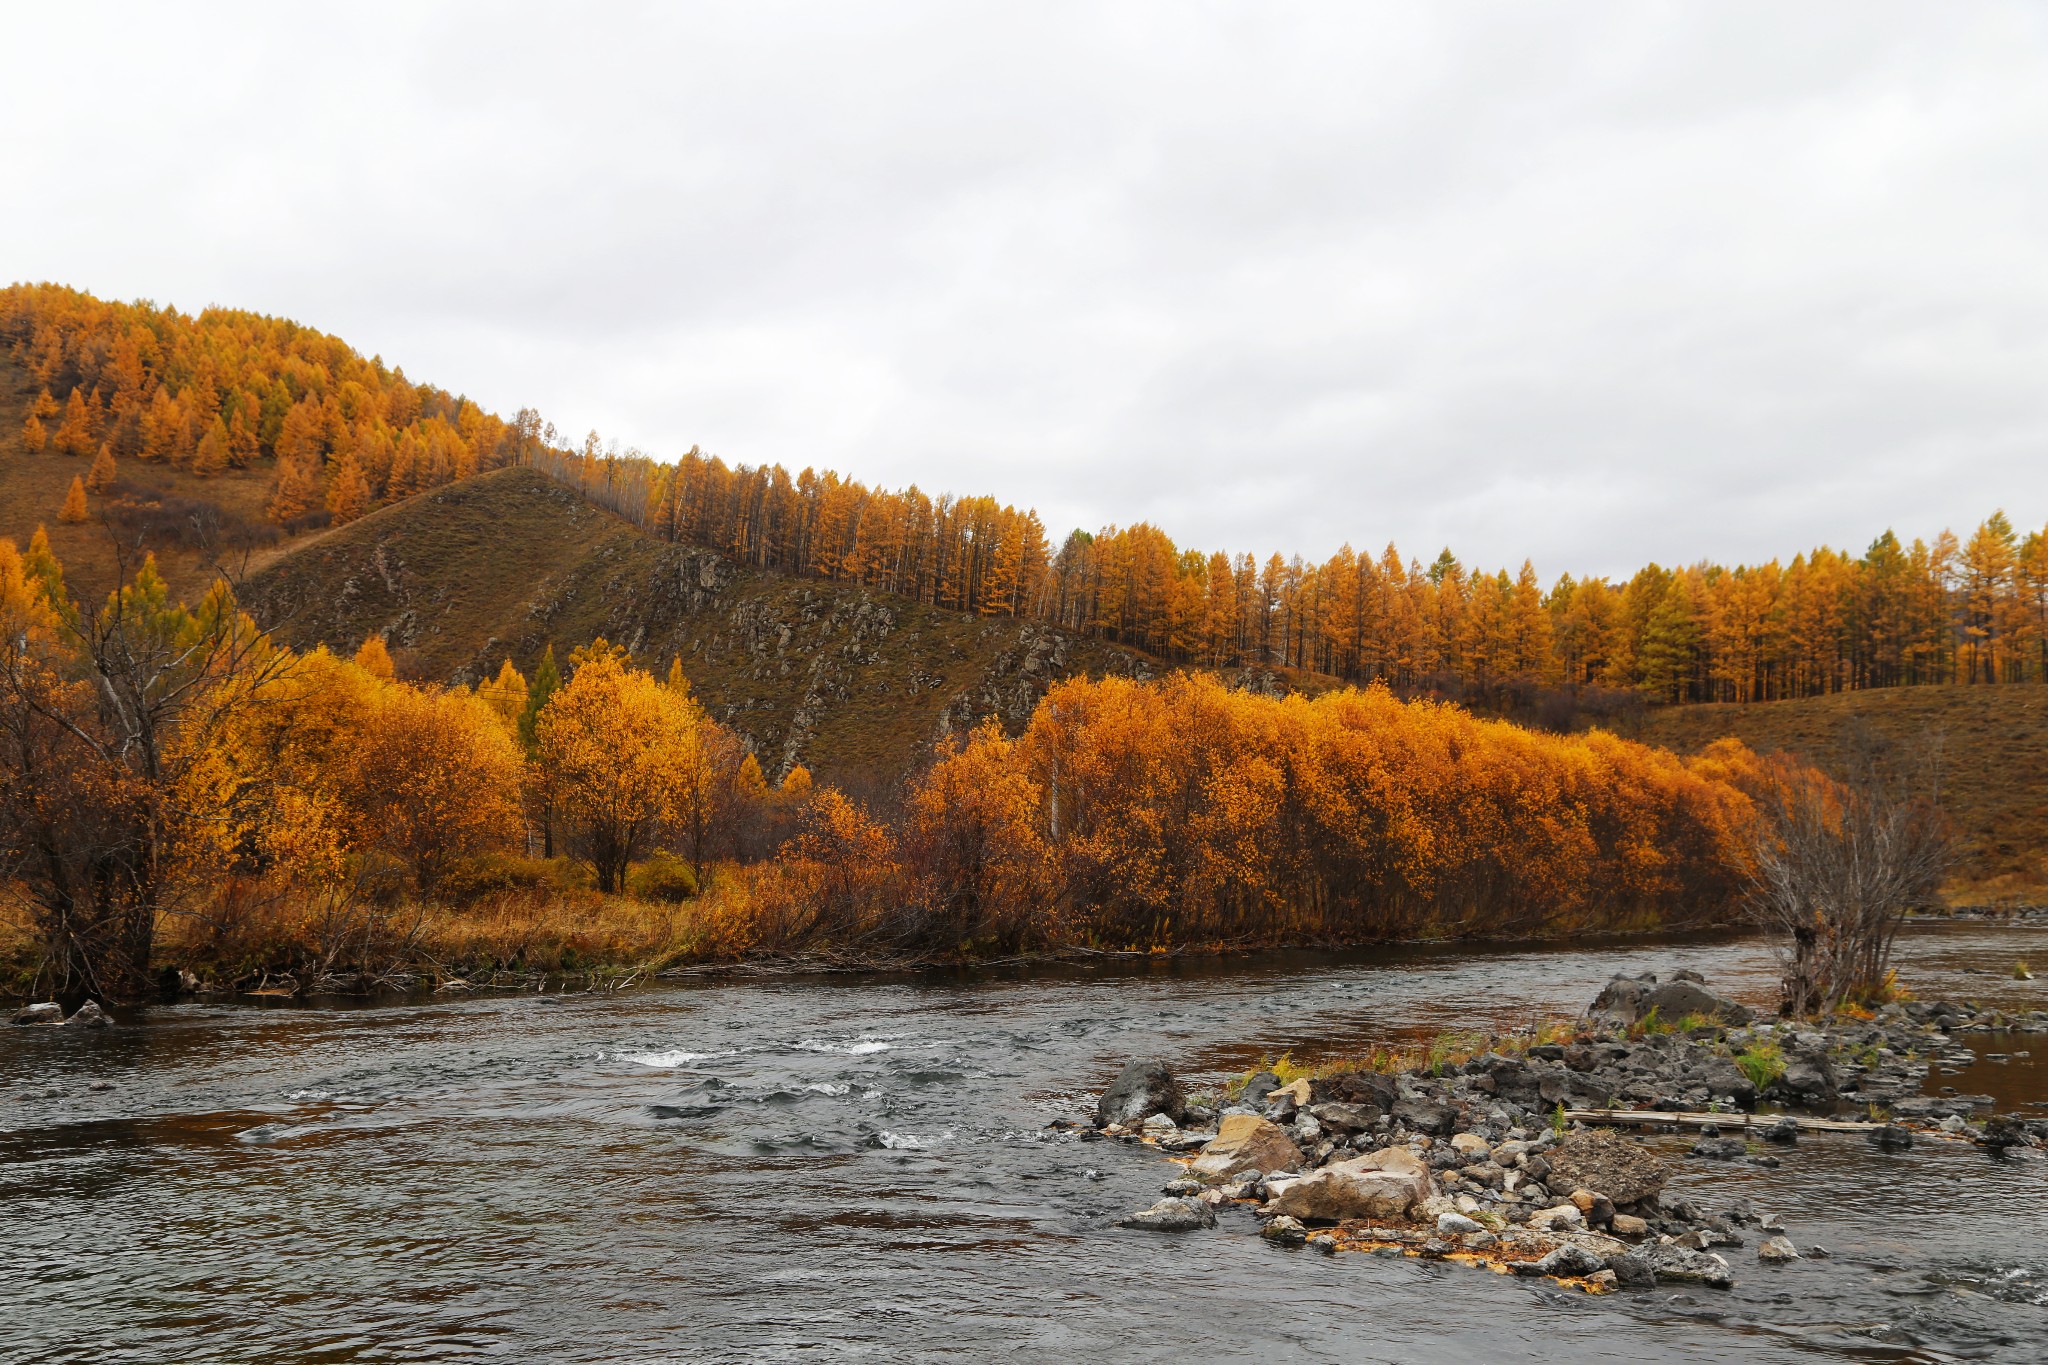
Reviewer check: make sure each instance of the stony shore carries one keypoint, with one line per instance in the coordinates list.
(1525, 1154)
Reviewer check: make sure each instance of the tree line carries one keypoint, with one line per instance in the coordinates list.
(159, 760)
(342, 434)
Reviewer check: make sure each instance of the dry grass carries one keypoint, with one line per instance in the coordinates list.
(1994, 745)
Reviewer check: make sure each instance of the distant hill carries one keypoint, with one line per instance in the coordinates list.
(1994, 762)
(850, 684)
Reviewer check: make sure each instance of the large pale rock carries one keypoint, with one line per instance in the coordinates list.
(1141, 1089)
(1245, 1142)
(43, 1012)
(1607, 1163)
(1384, 1184)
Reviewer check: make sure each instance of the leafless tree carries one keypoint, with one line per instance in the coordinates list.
(1841, 861)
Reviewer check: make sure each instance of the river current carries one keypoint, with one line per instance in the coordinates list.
(859, 1169)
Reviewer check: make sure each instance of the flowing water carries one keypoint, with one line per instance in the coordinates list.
(860, 1169)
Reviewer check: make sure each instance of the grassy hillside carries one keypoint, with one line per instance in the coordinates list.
(1994, 762)
(505, 564)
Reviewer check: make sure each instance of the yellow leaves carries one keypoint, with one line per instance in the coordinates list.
(373, 658)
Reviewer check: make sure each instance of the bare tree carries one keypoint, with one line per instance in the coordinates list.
(1839, 863)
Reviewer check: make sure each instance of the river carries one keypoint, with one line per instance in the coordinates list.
(858, 1168)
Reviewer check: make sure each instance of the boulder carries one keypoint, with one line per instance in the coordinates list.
(1891, 1137)
(1366, 1089)
(1629, 1226)
(1605, 1162)
(1245, 1142)
(1566, 1262)
(1456, 1225)
(1633, 1270)
(1343, 1118)
(1171, 1215)
(1669, 1262)
(1563, 1218)
(1141, 1089)
(89, 1015)
(45, 1012)
(1425, 1115)
(1808, 1080)
(1773, 1250)
(1384, 1184)
(1622, 997)
(1253, 1094)
(1676, 999)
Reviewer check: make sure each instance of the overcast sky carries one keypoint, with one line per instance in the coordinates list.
(1589, 283)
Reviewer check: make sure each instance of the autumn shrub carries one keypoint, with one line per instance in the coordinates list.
(468, 880)
(662, 877)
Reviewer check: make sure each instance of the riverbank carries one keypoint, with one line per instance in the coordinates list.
(1522, 1153)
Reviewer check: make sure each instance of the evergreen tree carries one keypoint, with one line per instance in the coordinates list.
(348, 492)
(547, 680)
(293, 494)
(33, 435)
(74, 502)
(100, 477)
(210, 457)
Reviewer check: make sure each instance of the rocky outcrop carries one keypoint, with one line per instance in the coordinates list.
(1143, 1088)
(43, 1012)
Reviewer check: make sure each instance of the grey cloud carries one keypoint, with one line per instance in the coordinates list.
(1592, 284)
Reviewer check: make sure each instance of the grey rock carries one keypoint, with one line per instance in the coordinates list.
(1719, 1149)
(1456, 1224)
(1683, 1265)
(90, 1015)
(44, 1012)
(1288, 1232)
(1633, 1270)
(1142, 1089)
(1891, 1138)
(1809, 1079)
(1566, 1261)
(1171, 1215)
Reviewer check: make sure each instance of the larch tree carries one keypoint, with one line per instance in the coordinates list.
(348, 492)
(101, 476)
(34, 437)
(74, 510)
(294, 493)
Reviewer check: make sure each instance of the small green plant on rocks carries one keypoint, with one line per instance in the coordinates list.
(1763, 1063)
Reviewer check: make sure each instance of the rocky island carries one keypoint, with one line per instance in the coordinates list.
(1525, 1153)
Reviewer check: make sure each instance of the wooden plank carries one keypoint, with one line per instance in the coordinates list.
(1736, 1121)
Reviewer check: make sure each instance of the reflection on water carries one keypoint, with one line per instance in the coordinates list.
(757, 1170)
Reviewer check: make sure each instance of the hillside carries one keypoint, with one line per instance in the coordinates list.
(850, 684)
(1994, 762)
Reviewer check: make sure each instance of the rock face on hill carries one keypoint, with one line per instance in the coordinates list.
(846, 682)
